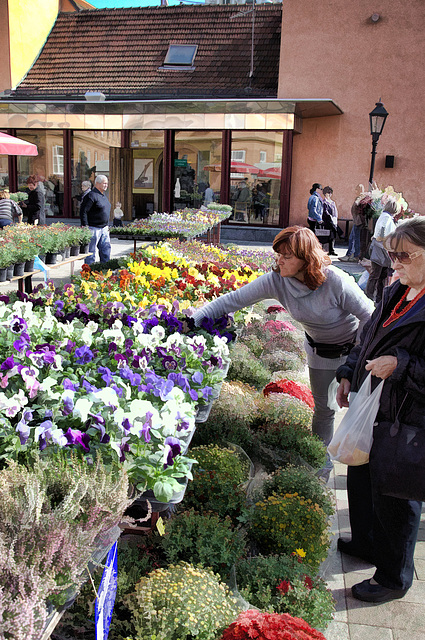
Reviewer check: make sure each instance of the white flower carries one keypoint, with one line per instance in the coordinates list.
(47, 385)
(158, 333)
(82, 408)
(113, 335)
(107, 396)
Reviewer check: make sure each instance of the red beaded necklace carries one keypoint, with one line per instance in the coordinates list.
(395, 313)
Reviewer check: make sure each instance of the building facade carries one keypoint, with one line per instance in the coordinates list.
(169, 100)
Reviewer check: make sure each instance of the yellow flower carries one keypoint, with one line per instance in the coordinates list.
(300, 552)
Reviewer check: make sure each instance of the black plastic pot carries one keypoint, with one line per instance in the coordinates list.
(3, 274)
(10, 269)
(51, 258)
(75, 250)
(19, 269)
(84, 248)
(29, 265)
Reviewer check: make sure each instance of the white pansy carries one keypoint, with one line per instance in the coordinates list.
(82, 408)
(87, 336)
(59, 438)
(107, 396)
(112, 335)
(144, 340)
(175, 339)
(48, 383)
(158, 333)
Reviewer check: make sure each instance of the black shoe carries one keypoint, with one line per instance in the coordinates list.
(332, 253)
(375, 592)
(347, 547)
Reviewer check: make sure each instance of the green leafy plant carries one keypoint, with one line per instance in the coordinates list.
(284, 584)
(289, 523)
(217, 481)
(231, 416)
(179, 602)
(203, 538)
(291, 479)
(247, 368)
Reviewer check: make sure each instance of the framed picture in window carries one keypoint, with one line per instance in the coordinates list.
(143, 173)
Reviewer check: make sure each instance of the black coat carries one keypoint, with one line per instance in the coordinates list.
(405, 341)
(35, 206)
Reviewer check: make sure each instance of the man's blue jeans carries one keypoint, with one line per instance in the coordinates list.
(100, 239)
(354, 242)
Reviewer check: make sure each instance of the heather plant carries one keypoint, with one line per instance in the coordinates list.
(247, 368)
(203, 538)
(292, 341)
(253, 343)
(53, 514)
(22, 596)
(284, 584)
(291, 479)
(296, 376)
(287, 523)
(283, 408)
(179, 602)
(217, 481)
(282, 443)
(230, 418)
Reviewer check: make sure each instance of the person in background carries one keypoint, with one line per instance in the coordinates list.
(34, 206)
(384, 529)
(243, 201)
(315, 206)
(359, 226)
(85, 189)
(10, 212)
(325, 300)
(330, 218)
(208, 195)
(118, 215)
(379, 258)
(94, 213)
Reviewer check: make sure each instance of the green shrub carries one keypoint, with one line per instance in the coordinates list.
(247, 368)
(230, 417)
(217, 480)
(114, 263)
(179, 602)
(253, 343)
(283, 408)
(281, 444)
(289, 523)
(299, 593)
(301, 480)
(203, 538)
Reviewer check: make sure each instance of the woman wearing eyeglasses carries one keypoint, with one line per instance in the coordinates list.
(325, 300)
(392, 348)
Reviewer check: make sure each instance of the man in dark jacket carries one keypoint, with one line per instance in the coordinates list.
(94, 213)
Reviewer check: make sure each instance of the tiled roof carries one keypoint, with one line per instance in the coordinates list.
(119, 52)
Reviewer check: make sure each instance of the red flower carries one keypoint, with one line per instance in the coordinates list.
(295, 389)
(270, 626)
(276, 308)
(284, 587)
(277, 326)
(308, 582)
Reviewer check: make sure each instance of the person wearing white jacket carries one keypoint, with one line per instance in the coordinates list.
(379, 258)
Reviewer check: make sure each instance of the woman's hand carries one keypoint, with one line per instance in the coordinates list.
(382, 367)
(342, 393)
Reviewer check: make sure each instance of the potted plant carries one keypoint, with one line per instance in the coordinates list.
(7, 258)
(85, 237)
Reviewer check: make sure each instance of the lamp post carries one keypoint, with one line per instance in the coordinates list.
(377, 119)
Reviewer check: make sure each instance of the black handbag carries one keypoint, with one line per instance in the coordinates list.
(397, 459)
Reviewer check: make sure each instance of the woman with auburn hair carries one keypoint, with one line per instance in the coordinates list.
(325, 300)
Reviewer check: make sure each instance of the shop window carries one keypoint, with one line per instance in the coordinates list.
(58, 159)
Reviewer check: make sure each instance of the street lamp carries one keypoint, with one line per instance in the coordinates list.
(377, 119)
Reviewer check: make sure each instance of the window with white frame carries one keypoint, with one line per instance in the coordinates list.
(57, 159)
(263, 156)
(238, 155)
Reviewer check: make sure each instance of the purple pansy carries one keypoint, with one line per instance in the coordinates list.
(75, 436)
(172, 449)
(83, 355)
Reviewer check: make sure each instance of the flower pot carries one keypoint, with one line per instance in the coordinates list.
(66, 252)
(75, 250)
(51, 258)
(29, 265)
(42, 257)
(3, 274)
(84, 248)
(10, 272)
(19, 269)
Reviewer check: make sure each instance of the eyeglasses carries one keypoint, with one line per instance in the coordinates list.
(403, 256)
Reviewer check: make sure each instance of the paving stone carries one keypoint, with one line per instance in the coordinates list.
(420, 568)
(366, 632)
(337, 631)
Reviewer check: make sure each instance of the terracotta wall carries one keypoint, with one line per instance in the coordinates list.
(5, 80)
(332, 49)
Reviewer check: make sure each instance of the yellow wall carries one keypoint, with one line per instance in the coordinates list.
(30, 22)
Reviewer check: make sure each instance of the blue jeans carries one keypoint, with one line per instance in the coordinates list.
(4, 223)
(354, 242)
(100, 239)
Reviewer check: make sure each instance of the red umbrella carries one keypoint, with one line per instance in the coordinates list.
(11, 146)
(273, 172)
(235, 167)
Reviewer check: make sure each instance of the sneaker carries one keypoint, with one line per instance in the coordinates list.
(344, 258)
(353, 259)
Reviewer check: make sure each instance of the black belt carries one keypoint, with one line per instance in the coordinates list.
(331, 351)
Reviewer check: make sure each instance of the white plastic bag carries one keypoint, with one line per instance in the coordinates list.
(353, 439)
